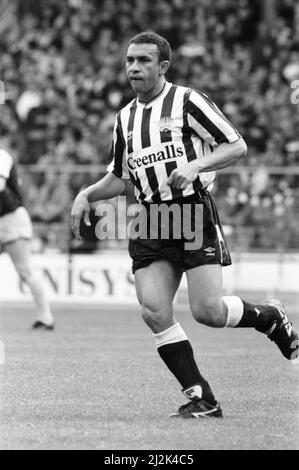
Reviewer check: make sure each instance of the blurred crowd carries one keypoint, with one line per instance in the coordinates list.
(62, 63)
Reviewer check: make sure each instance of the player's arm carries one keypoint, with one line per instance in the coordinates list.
(224, 155)
(108, 187)
(211, 125)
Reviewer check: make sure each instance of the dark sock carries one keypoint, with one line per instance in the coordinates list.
(180, 361)
(261, 317)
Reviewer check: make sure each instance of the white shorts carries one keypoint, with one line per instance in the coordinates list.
(15, 225)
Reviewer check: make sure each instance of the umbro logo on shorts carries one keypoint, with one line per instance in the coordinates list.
(210, 251)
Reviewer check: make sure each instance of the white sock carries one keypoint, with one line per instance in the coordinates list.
(173, 334)
(235, 309)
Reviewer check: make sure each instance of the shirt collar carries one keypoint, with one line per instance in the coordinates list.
(162, 93)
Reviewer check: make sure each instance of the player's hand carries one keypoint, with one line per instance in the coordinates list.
(182, 176)
(80, 209)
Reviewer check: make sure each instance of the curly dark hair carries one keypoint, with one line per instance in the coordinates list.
(149, 37)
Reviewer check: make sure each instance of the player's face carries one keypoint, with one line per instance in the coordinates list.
(145, 71)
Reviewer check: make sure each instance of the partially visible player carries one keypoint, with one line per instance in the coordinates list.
(15, 236)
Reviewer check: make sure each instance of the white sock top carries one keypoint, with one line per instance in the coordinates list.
(235, 309)
(173, 334)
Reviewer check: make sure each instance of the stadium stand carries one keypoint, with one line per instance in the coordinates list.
(62, 66)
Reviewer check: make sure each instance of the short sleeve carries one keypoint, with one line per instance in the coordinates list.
(208, 121)
(118, 163)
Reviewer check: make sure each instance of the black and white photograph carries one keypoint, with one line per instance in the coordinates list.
(149, 227)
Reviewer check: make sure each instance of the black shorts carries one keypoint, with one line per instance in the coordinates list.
(210, 248)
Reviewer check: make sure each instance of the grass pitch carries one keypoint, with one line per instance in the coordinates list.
(96, 382)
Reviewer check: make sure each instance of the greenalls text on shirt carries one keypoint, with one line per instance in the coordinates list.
(169, 152)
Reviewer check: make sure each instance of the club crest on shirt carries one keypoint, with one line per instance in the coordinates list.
(166, 124)
(130, 135)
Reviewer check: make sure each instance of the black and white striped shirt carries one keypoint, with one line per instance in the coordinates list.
(152, 139)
